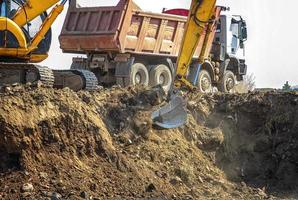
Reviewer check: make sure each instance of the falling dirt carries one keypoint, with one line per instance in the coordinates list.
(58, 144)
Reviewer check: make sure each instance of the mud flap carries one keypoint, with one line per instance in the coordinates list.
(172, 115)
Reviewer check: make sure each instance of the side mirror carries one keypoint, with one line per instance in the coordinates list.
(243, 31)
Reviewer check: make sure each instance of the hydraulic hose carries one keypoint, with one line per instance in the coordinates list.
(198, 21)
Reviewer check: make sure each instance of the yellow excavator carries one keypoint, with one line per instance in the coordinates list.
(25, 39)
(201, 26)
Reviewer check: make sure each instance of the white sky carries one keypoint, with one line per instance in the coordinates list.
(270, 50)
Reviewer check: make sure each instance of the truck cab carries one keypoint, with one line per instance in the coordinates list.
(226, 65)
(231, 34)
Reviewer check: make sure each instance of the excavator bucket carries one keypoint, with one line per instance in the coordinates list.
(172, 115)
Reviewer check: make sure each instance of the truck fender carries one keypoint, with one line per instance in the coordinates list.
(233, 65)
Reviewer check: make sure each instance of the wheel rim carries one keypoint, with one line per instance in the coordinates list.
(138, 78)
(230, 84)
(162, 79)
(205, 83)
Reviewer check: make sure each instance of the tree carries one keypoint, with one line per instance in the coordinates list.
(286, 86)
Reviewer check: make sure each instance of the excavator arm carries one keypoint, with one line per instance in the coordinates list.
(30, 10)
(200, 27)
(201, 15)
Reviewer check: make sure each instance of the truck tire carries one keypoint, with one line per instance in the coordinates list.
(204, 82)
(161, 75)
(227, 82)
(139, 74)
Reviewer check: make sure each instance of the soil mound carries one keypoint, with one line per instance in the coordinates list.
(58, 144)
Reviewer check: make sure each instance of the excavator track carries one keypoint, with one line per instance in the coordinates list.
(91, 82)
(11, 73)
(46, 76)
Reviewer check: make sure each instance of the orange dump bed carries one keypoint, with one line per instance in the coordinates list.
(124, 28)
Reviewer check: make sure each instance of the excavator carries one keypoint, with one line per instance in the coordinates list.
(25, 39)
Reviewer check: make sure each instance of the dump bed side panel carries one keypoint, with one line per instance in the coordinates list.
(92, 28)
(151, 33)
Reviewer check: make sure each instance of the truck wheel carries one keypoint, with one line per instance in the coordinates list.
(204, 82)
(139, 74)
(227, 82)
(161, 75)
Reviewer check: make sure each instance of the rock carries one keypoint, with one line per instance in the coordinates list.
(93, 187)
(26, 173)
(56, 196)
(43, 175)
(84, 195)
(262, 193)
(60, 183)
(7, 89)
(176, 181)
(188, 197)
(150, 188)
(27, 187)
(161, 174)
(46, 194)
(13, 191)
(200, 179)
(39, 84)
(142, 123)
(52, 195)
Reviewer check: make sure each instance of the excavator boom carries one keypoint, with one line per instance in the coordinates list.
(201, 14)
(31, 9)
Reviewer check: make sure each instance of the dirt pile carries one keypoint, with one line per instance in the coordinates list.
(260, 139)
(58, 144)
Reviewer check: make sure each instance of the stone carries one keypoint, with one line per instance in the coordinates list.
(175, 181)
(43, 175)
(150, 188)
(84, 195)
(200, 179)
(56, 196)
(27, 187)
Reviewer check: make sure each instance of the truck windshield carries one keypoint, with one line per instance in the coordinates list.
(235, 29)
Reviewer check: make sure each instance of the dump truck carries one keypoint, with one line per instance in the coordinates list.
(125, 45)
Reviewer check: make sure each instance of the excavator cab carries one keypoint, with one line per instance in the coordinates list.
(7, 39)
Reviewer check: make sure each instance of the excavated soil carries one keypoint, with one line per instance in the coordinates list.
(58, 144)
